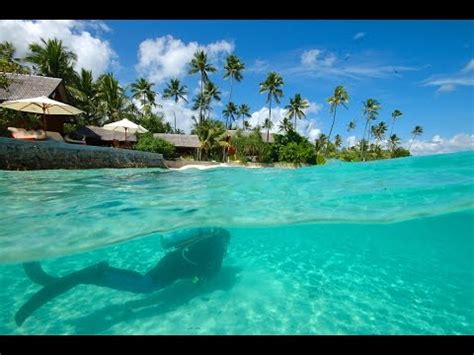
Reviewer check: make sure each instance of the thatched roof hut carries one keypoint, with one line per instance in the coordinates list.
(102, 134)
(180, 140)
(24, 86)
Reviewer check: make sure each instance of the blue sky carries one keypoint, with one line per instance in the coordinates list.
(424, 68)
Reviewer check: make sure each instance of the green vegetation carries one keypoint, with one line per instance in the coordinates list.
(340, 97)
(147, 143)
(272, 86)
(296, 108)
(213, 138)
(174, 90)
(104, 100)
(251, 147)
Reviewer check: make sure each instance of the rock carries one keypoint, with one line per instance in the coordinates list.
(34, 155)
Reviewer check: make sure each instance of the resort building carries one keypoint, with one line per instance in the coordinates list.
(185, 144)
(94, 135)
(27, 86)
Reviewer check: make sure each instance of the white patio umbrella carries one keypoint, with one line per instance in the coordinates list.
(42, 105)
(125, 126)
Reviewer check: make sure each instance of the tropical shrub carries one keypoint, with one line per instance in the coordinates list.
(250, 146)
(400, 152)
(148, 143)
(298, 153)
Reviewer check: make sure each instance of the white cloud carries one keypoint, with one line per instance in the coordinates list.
(96, 25)
(359, 35)
(447, 83)
(306, 127)
(317, 57)
(166, 57)
(93, 53)
(311, 131)
(322, 63)
(469, 66)
(183, 114)
(352, 141)
(259, 66)
(216, 48)
(258, 117)
(309, 57)
(439, 145)
(446, 88)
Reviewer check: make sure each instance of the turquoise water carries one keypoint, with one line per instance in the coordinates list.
(383, 247)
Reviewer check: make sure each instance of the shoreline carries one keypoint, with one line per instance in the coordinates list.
(205, 165)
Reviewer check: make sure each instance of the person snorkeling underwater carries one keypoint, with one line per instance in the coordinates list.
(195, 254)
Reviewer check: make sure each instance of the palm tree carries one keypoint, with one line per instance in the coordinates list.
(337, 141)
(340, 97)
(285, 125)
(378, 131)
(229, 113)
(393, 141)
(272, 85)
(417, 131)
(142, 90)
(7, 53)
(296, 107)
(9, 64)
(174, 90)
(211, 92)
(201, 103)
(111, 97)
(268, 125)
(371, 110)
(51, 58)
(395, 115)
(247, 126)
(351, 126)
(233, 69)
(84, 93)
(200, 65)
(320, 142)
(210, 133)
(244, 111)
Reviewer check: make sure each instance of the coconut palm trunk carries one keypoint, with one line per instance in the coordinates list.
(202, 93)
(412, 140)
(363, 140)
(393, 124)
(270, 114)
(330, 131)
(231, 85)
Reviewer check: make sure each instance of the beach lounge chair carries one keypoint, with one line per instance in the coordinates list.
(69, 139)
(55, 136)
(21, 133)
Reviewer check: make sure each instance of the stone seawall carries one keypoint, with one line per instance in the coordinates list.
(33, 155)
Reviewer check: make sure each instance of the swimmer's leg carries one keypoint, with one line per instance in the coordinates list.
(100, 275)
(36, 273)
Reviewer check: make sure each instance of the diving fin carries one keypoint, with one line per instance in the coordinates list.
(55, 286)
(36, 273)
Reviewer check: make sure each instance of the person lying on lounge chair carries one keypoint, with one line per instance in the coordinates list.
(195, 255)
(21, 133)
